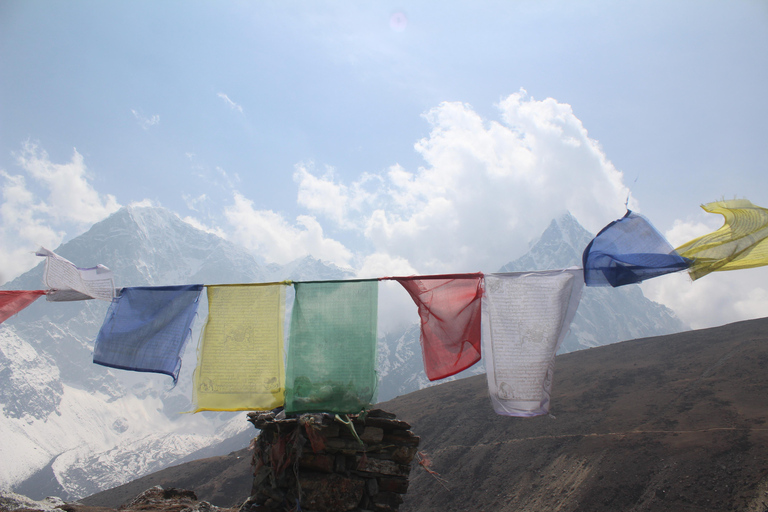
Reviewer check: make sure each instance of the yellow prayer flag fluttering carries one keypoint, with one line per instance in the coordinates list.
(742, 242)
(240, 356)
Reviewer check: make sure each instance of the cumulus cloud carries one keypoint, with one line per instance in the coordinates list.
(487, 189)
(683, 231)
(718, 297)
(146, 122)
(196, 223)
(715, 299)
(231, 104)
(28, 221)
(71, 197)
(270, 235)
(338, 202)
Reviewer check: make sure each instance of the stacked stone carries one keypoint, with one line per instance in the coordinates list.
(314, 463)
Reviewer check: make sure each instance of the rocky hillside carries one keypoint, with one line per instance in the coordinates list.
(673, 423)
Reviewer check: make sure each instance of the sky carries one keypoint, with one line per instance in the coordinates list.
(392, 138)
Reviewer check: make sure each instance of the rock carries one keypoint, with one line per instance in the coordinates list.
(155, 499)
(13, 501)
(313, 461)
(330, 493)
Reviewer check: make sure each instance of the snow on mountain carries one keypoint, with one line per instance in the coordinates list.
(81, 427)
(605, 315)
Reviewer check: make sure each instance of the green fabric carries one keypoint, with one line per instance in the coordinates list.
(332, 347)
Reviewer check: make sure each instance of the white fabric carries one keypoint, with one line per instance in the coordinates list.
(526, 315)
(73, 283)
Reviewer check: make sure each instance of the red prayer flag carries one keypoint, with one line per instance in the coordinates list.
(13, 301)
(449, 309)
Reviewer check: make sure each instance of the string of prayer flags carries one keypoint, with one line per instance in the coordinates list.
(146, 327)
(449, 311)
(742, 241)
(69, 282)
(526, 315)
(240, 355)
(332, 347)
(13, 301)
(627, 251)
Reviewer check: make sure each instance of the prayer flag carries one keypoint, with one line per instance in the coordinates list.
(526, 315)
(74, 283)
(332, 347)
(146, 327)
(629, 250)
(13, 301)
(240, 357)
(742, 241)
(449, 310)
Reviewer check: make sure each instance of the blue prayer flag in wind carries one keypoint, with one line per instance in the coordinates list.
(629, 250)
(146, 327)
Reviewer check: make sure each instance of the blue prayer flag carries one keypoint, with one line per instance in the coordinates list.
(629, 250)
(146, 328)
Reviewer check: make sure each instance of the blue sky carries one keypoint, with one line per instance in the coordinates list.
(388, 137)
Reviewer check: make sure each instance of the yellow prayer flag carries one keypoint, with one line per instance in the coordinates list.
(240, 357)
(742, 242)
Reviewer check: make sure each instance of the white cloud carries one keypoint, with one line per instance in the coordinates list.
(231, 104)
(378, 265)
(715, 299)
(486, 190)
(146, 122)
(193, 202)
(71, 197)
(683, 231)
(23, 228)
(195, 223)
(270, 235)
(28, 221)
(144, 203)
(335, 201)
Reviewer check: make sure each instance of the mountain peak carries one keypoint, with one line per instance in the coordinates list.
(559, 246)
(605, 315)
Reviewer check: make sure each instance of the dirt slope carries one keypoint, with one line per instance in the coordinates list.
(674, 423)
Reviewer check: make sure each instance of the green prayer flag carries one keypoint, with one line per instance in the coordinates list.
(332, 347)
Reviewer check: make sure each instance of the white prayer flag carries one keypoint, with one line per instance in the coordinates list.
(72, 283)
(526, 315)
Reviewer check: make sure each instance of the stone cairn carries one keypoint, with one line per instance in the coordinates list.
(323, 463)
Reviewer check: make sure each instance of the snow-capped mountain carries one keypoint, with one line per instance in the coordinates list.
(605, 315)
(72, 428)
